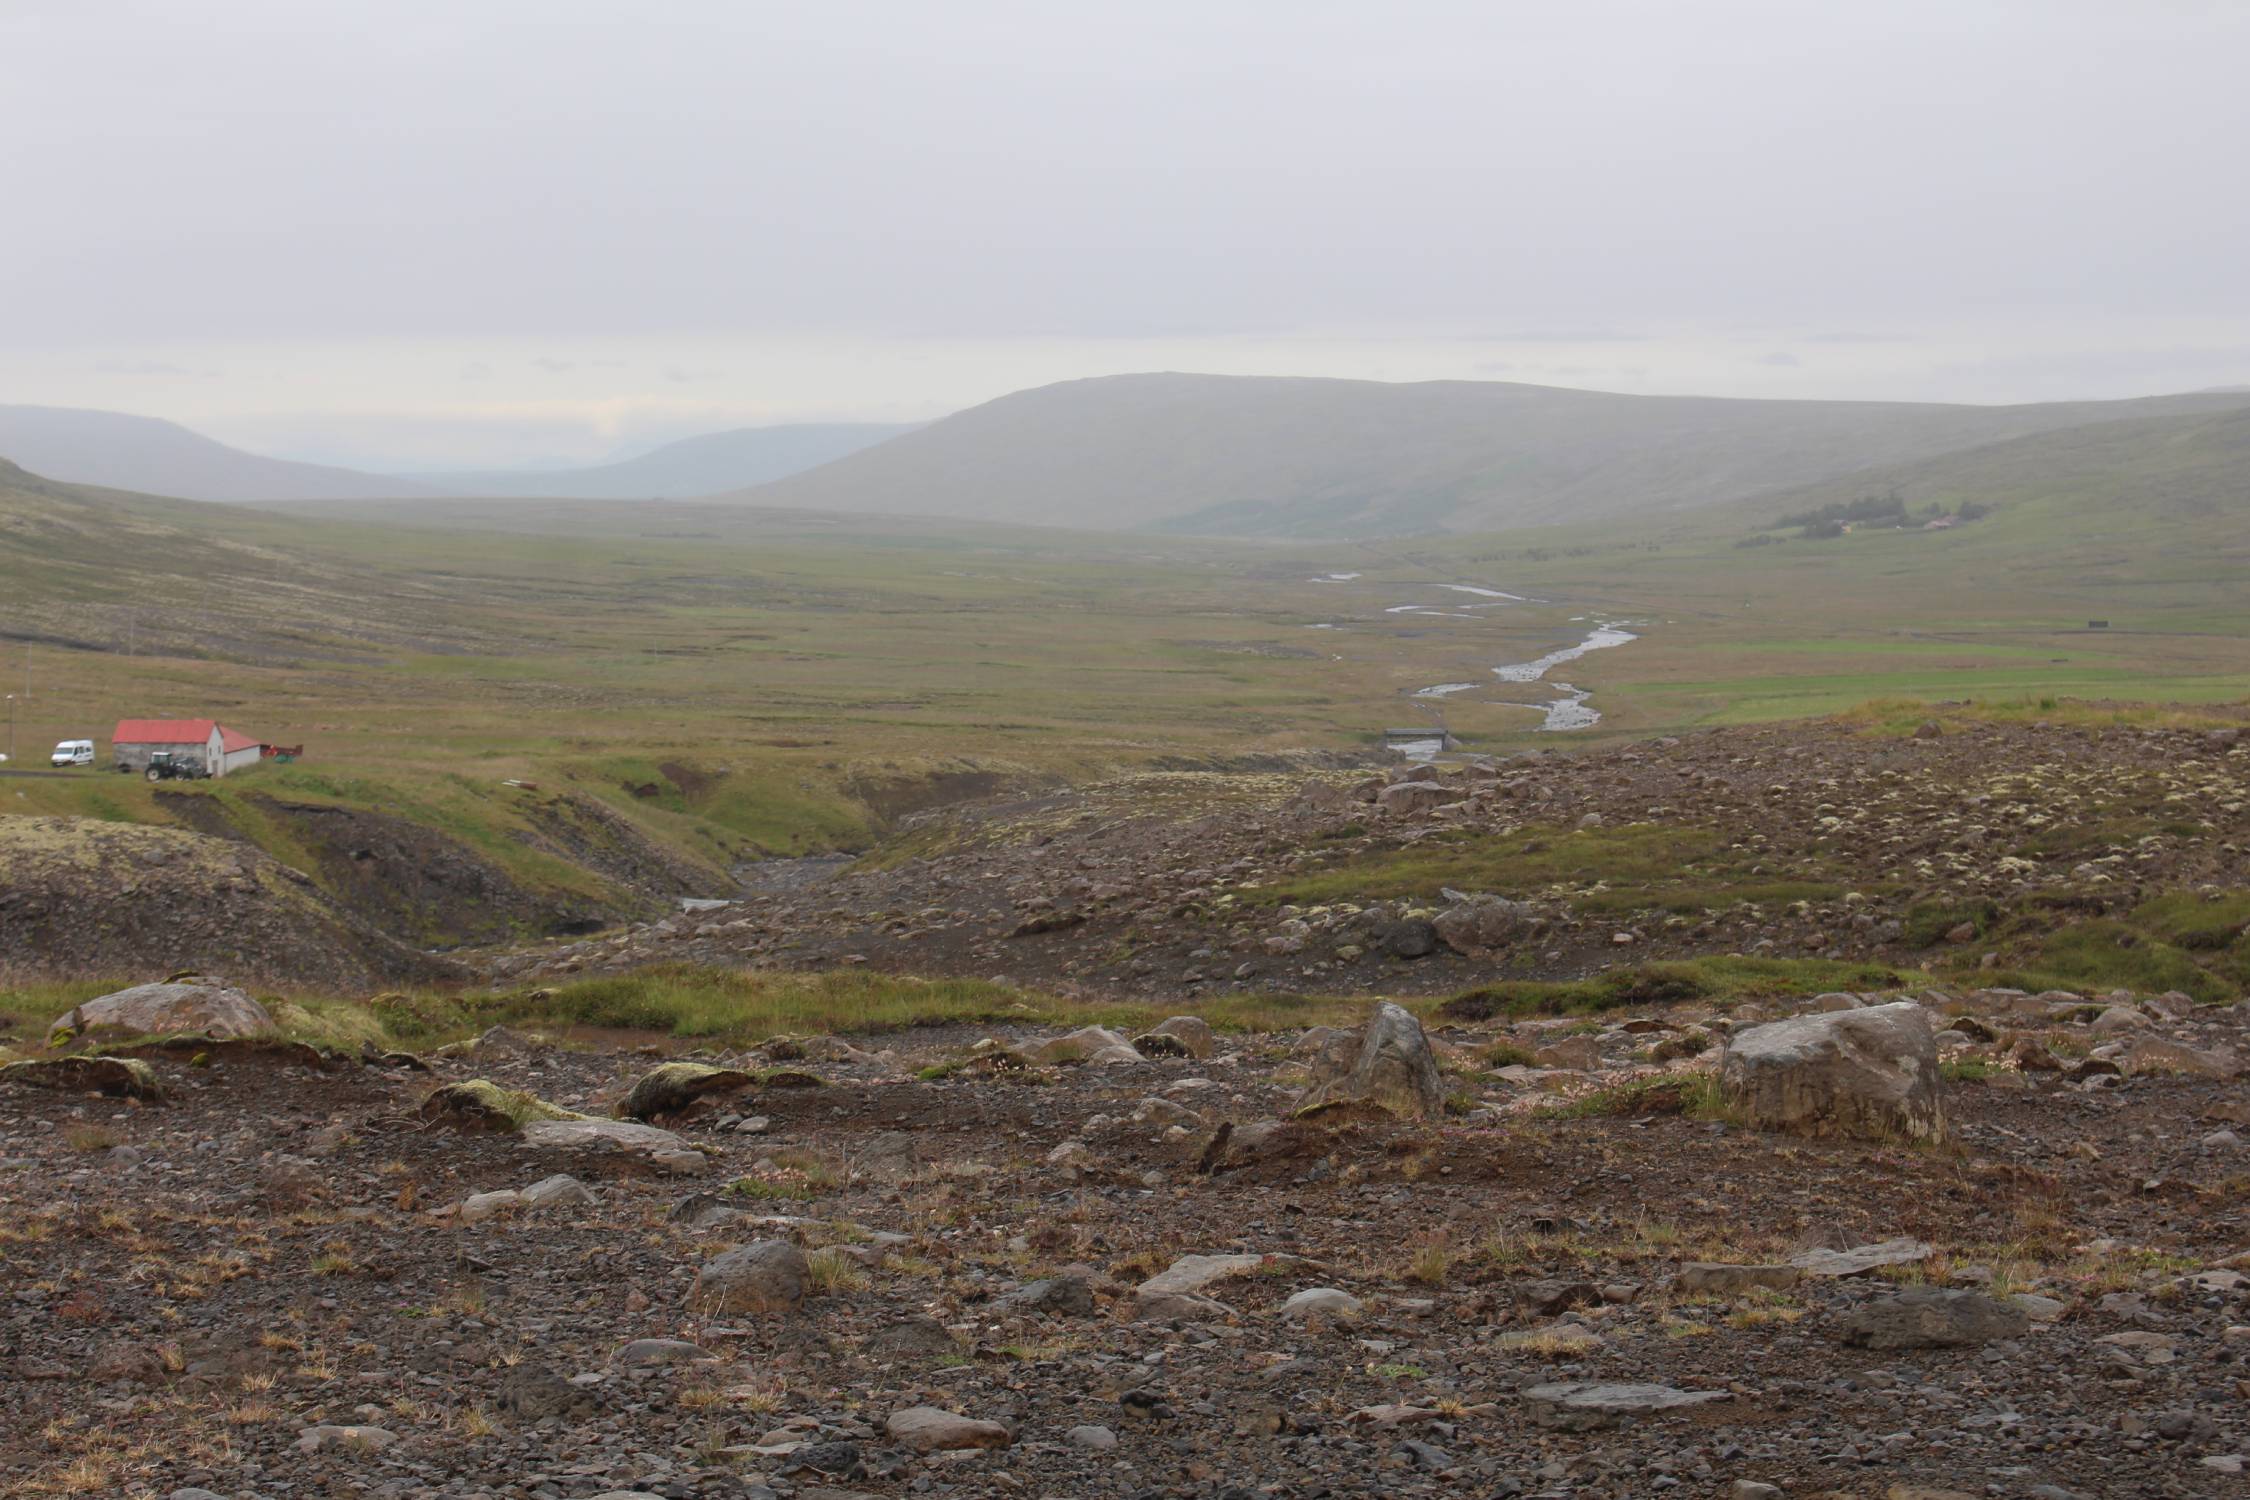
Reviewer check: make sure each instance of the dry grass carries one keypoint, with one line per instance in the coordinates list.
(834, 1272)
(82, 1135)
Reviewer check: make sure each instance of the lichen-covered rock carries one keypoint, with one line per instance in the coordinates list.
(480, 1104)
(1871, 1072)
(671, 1087)
(211, 1010)
(1392, 1066)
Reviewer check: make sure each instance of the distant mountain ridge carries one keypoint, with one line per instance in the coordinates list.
(115, 450)
(1297, 457)
(151, 456)
(710, 464)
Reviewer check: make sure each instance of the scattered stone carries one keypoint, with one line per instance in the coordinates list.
(916, 1337)
(1057, 1296)
(354, 1438)
(559, 1191)
(533, 1393)
(1321, 1302)
(662, 1352)
(1092, 1046)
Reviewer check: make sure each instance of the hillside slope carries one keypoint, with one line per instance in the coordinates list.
(94, 568)
(707, 465)
(2123, 475)
(1229, 455)
(155, 457)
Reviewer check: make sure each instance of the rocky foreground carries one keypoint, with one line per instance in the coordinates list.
(1972, 844)
(1962, 1244)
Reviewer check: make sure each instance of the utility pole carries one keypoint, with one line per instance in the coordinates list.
(11, 728)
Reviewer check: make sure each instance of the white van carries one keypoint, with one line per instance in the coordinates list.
(73, 753)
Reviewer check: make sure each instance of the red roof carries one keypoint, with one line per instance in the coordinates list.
(178, 732)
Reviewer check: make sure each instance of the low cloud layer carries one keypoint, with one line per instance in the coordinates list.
(381, 213)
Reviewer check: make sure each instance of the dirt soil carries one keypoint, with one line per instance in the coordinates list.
(203, 1290)
(82, 897)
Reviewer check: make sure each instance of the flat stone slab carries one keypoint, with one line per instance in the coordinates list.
(1192, 1273)
(1934, 1318)
(1861, 1259)
(1577, 1405)
(644, 1142)
(1727, 1278)
(930, 1429)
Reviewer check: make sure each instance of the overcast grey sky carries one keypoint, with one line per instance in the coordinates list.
(428, 232)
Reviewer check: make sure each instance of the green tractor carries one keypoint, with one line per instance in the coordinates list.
(165, 765)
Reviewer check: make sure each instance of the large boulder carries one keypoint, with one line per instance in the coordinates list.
(1871, 1072)
(1411, 797)
(2151, 1054)
(1934, 1318)
(766, 1276)
(1178, 1036)
(1479, 924)
(1391, 1066)
(213, 1010)
(672, 1088)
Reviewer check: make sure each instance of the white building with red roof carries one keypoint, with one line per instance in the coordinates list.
(217, 747)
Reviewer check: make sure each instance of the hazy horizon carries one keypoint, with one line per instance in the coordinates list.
(431, 237)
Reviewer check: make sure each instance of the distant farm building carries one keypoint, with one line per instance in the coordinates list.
(219, 748)
(1942, 523)
(2097, 624)
(1424, 739)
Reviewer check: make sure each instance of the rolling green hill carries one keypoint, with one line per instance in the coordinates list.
(1225, 455)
